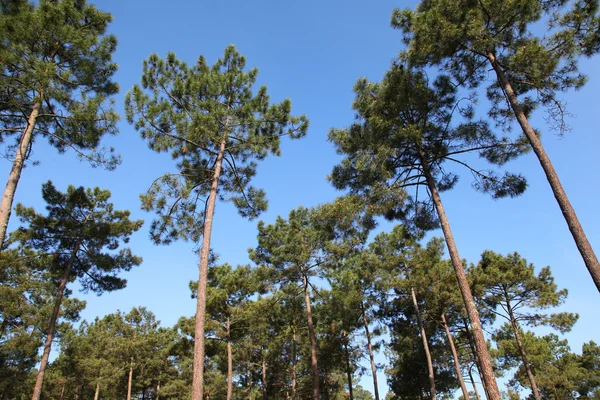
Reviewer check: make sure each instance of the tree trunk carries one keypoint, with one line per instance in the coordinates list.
(371, 356)
(62, 390)
(487, 371)
(581, 240)
(294, 363)
(313, 340)
(130, 381)
(157, 390)
(97, 393)
(425, 344)
(475, 358)
(17, 168)
(516, 330)
(474, 385)
(229, 363)
(198, 379)
(349, 372)
(37, 389)
(463, 387)
(264, 378)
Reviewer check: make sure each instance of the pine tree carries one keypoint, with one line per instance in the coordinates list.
(514, 292)
(55, 83)
(215, 128)
(81, 234)
(402, 138)
(466, 37)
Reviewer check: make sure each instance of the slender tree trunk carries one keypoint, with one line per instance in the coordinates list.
(371, 356)
(157, 390)
(475, 357)
(487, 371)
(581, 240)
(294, 363)
(516, 330)
(62, 390)
(313, 340)
(229, 362)
(37, 389)
(425, 344)
(463, 387)
(130, 381)
(349, 372)
(198, 379)
(97, 393)
(17, 168)
(473, 384)
(76, 393)
(264, 378)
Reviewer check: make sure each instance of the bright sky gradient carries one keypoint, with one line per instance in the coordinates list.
(312, 52)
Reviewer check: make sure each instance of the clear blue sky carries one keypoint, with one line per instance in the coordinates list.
(313, 52)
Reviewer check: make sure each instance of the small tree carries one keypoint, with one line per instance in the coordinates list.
(56, 79)
(215, 127)
(81, 233)
(467, 36)
(515, 293)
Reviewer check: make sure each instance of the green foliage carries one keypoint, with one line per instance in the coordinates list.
(196, 113)
(511, 289)
(81, 222)
(56, 53)
(405, 127)
(459, 35)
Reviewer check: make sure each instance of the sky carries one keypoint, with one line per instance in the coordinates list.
(313, 52)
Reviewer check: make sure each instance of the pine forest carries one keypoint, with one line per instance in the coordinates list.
(335, 200)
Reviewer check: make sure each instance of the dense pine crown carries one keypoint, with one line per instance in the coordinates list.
(403, 122)
(81, 221)
(56, 53)
(458, 35)
(189, 112)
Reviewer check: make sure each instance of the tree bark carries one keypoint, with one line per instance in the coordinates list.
(130, 380)
(425, 344)
(229, 362)
(487, 371)
(581, 240)
(17, 167)
(294, 363)
(198, 379)
(264, 378)
(37, 389)
(349, 373)
(313, 340)
(371, 356)
(516, 330)
(475, 358)
(157, 390)
(97, 393)
(463, 387)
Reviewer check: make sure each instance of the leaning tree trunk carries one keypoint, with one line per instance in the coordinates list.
(473, 384)
(229, 362)
(581, 240)
(487, 371)
(371, 356)
(349, 372)
(475, 358)
(198, 379)
(313, 340)
(294, 363)
(37, 389)
(463, 387)
(97, 393)
(130, 380)
(425, 344)
(17, 168)
(516, 330)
